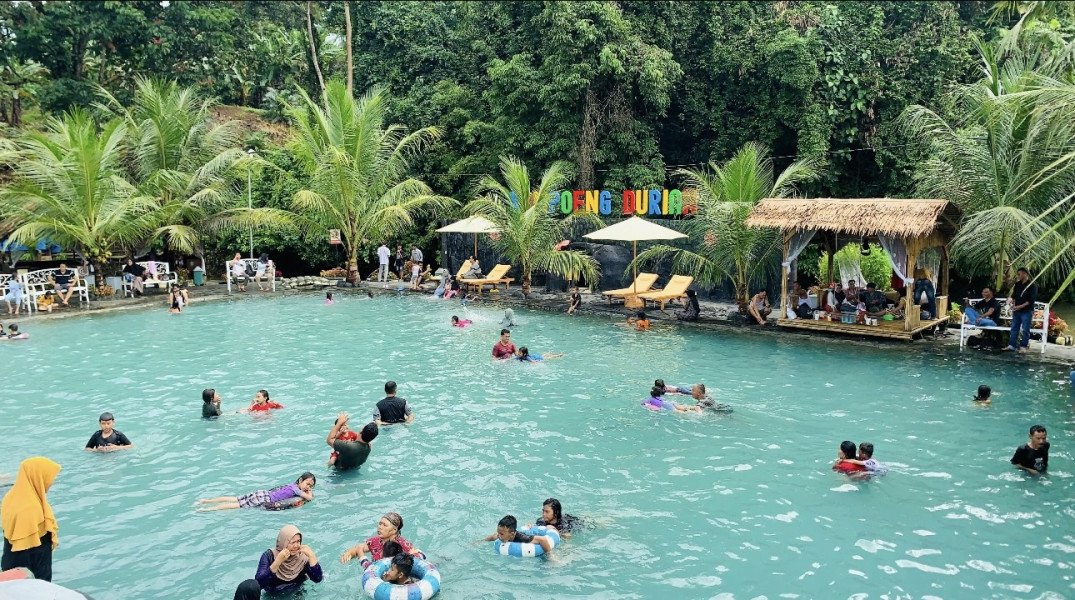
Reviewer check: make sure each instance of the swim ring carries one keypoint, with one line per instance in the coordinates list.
(16, 574)
(530, 548)
(293, 502)
(21, 336)
(426, 587)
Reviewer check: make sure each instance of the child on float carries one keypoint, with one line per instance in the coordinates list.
(507, 531)
(523, 354)
(657, 402)
(262, 402)
(457, 322)
(276, 498)
(13, 333)
(399, 572)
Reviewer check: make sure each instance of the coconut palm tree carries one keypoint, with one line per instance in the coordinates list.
(357, 170)
(69, 188)
(1003, 163)
(726, 193)
(177, 155)
(529, 233)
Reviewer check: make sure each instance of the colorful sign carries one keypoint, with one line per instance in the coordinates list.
(647, 203)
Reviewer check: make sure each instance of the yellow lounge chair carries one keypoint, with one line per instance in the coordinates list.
(643, 283)
(463, 269)
(676, 288)
(494, 277)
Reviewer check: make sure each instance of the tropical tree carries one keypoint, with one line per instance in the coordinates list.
(177, 155)
(529, 232)
(1006, 162)
(69, 188)
(357, 170)
(726, 193)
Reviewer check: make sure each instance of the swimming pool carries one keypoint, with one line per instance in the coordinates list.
(735, 506)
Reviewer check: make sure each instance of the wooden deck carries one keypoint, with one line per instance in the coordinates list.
(885, 329)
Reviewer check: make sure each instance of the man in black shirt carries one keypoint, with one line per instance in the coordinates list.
(1033, 456)
(65, 283)
(986, 311)
(135, 273)
(1023, 297)
(108, 439)
(351, 454)
(392, 409)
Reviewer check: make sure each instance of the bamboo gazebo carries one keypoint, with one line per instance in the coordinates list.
(903, 227)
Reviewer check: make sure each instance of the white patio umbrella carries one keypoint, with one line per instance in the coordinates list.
(635, 230)
(473, 225)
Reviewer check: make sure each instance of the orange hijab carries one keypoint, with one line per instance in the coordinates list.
(25, 511)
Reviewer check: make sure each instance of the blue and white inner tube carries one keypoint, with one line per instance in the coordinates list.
(530, 548)
(426, 587)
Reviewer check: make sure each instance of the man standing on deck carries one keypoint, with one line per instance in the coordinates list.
(383, 254)
(1022, 300)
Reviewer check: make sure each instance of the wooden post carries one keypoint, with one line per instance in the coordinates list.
(942, 277)
(911, 316)
(830, 244)
(784, 279)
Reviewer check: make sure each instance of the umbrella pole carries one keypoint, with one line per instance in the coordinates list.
(475, 244)
(633, 301)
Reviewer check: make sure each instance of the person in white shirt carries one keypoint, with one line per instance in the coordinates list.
(383, 254)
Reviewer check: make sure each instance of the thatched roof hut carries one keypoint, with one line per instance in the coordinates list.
(904, 226)
(856, 216)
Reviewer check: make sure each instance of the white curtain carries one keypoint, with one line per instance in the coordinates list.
(930, 259)
(799, 242)
(897, 256)
(849, 266)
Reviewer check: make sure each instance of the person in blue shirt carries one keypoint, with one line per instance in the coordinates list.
(523, 354)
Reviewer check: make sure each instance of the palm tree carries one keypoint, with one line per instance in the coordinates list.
(726, 194)
(176, 155)
(1003, 163)
(357, 170)
(69, 188)
(529, 233)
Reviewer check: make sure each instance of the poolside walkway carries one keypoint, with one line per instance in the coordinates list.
(715, 316)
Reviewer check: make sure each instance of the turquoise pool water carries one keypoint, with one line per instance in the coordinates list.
(735, 506)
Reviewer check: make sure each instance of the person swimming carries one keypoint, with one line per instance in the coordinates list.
(523, 354)
(457, 322)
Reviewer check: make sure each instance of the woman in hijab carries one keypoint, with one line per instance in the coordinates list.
(283, 568)
(29, 525)
(388, 529)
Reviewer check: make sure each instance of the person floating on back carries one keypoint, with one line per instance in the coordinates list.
(108, 439)
(277, 498)
(1033, 456)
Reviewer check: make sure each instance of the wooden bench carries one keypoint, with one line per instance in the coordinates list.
(162, 277)
(38, 283)
(1036, 326)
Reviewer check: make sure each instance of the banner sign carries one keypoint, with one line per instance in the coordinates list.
(334, 236)
(645, 203)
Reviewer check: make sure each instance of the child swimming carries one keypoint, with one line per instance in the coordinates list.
(328, 299)
(507, 532)
(457, 322)
(302, 488)
(984, 393)
(523, 354)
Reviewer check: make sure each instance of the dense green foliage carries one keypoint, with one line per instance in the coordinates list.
(631, 94)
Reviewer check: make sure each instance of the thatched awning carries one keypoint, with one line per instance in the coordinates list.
(855, 216)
